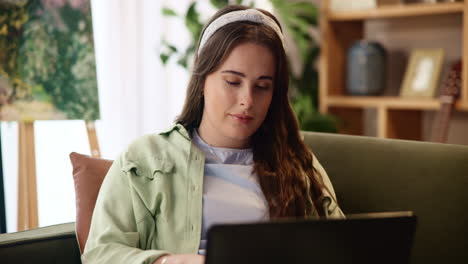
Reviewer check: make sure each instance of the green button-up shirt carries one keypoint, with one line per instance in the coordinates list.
(150, 202)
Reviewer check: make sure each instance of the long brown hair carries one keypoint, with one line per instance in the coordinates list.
(283, 162)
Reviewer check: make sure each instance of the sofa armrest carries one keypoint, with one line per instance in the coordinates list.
(51, 244)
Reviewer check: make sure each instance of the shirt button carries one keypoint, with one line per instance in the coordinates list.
(193, 227)
(194, 188)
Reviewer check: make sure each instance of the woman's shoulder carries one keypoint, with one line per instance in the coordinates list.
(329, 199)
(323, 176)
(150, 144)
(165, 145)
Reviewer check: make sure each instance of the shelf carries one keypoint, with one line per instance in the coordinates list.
(403, 10)
(390, 102)
(461, 106)
(395, 116)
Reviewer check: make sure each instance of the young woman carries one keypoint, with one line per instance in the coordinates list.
(234, 154)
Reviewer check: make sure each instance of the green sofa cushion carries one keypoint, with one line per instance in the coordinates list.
(52, 244)
(375, 175)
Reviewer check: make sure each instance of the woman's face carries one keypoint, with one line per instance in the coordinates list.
(238, 96)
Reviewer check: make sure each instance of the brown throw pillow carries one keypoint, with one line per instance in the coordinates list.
(88, 174)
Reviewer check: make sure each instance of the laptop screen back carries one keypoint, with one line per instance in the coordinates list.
(371, 239)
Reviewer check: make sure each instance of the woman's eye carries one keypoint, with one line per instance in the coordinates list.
(261, 87)
(233, 83)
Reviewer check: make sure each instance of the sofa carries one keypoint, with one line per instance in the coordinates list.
(368, 174)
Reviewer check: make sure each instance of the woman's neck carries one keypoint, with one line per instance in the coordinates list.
(215, 138)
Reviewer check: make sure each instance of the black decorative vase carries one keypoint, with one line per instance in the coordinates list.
(366, 69)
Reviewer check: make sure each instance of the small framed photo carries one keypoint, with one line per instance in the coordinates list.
(422, 73)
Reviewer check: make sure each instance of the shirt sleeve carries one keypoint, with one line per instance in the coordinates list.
(329, 201)
(113, 235)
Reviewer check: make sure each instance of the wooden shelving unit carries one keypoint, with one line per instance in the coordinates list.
(407, 10)
(396, 117)
(391, 102)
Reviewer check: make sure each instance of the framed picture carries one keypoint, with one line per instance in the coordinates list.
(47, 62)
(422, 73)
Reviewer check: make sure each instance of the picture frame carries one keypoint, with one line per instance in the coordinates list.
(47, 61)
(422, 73)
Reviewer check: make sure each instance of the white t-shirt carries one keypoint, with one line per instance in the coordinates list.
(231, 192)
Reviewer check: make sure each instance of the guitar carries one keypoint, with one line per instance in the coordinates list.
(450, 92)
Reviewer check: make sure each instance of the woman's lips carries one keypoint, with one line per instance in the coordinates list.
(242, 118)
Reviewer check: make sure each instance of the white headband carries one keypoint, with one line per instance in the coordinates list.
(252, 15)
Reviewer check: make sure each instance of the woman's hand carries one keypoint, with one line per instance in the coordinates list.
(181, 259)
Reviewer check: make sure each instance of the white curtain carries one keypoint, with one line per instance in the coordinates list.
(135, 93)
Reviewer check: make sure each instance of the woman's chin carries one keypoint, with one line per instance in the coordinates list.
(241, 134)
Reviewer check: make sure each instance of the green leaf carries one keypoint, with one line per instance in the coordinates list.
(219, 3)
(172, 48)
(183, 61)
(302, 43)
(192, 21)
(191, 49)
(320, 123)
(168, 12)
(311, 20)
(305, 8)
(301, 25)
(277, 3)
(238, 2)
(164, 58)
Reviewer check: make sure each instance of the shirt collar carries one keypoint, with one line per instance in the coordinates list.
(179, 127)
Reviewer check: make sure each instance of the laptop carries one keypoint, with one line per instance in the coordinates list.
(362, 238)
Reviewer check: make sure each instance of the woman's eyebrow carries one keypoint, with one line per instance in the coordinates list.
(263, 77)
(234, 72)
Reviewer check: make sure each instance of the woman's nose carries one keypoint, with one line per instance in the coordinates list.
(246, 97)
